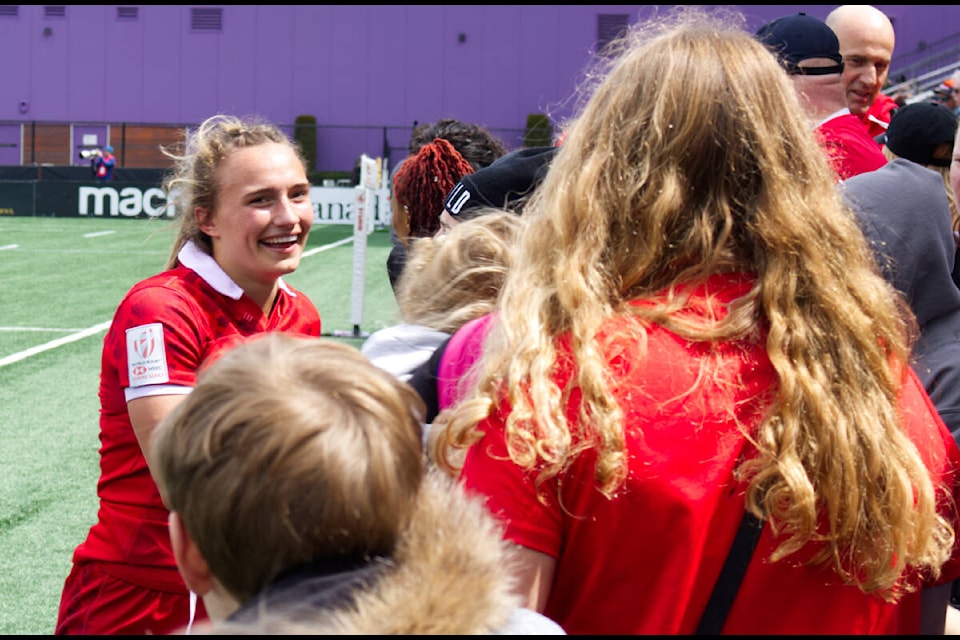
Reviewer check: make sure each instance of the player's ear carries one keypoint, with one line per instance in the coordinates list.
(191, 563)
(205, 223)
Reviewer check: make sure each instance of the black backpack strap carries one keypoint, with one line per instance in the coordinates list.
(725, 590)
(424, 381)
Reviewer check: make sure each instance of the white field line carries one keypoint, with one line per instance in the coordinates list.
(83, 333)
(47, 329)
(8, 246)
(327, 246)
(96, 234)
(53, 344)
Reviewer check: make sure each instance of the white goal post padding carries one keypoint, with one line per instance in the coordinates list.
(365, 210)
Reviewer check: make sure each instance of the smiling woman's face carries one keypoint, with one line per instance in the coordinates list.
(262, 215)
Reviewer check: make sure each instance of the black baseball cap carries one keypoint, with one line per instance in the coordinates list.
(504, 184)
(916, 130)
(800, 37)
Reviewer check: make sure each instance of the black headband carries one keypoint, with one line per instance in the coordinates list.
(816, 71)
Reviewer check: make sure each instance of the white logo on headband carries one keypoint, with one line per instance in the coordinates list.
(457, 198)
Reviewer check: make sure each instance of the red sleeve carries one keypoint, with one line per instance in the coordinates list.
(158, 338)
(510, 492)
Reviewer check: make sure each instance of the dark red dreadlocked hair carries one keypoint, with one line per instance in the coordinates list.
(423, 182)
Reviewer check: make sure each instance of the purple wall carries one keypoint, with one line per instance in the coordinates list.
(351, 66)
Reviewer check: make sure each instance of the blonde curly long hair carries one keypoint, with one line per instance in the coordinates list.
(692, 157)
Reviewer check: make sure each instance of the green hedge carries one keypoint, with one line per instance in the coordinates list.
(539, 131)
(317, 177)
(305, 133)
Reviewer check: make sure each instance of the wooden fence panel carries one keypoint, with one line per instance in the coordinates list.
(138, 146)
(51, 144)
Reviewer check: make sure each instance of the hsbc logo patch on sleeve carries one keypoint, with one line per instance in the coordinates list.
(146, 355)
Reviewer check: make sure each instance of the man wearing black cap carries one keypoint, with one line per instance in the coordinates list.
(809, 52)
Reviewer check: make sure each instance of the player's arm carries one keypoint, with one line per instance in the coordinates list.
(146, 412)
(535, 576)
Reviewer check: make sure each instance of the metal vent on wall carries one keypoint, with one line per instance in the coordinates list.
(206, 19)
(9, 10)
(55, 11)
(128, 13)
(610, 26)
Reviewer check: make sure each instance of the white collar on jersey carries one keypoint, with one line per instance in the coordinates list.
(195, 259)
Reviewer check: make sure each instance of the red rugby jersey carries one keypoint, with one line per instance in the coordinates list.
(164, 331)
